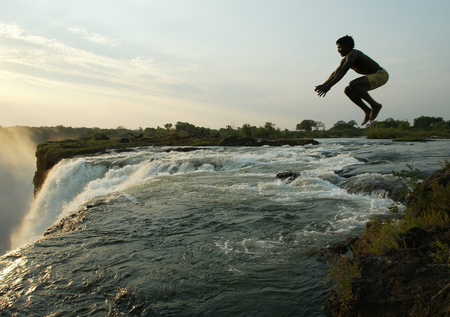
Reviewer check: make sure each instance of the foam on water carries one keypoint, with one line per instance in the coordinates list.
(74, 181)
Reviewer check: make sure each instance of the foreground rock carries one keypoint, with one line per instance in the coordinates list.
(397, 283)
(410, 281)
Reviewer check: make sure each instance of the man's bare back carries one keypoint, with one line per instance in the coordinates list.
(357, 90)
(362, 63)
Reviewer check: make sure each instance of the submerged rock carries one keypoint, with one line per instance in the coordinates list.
(331, 252)
(288, 176)
(372, 184)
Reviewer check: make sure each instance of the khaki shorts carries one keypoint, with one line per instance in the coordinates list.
(378, 79)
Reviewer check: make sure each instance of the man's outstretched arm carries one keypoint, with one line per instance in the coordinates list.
(319, 88)
(338, 74)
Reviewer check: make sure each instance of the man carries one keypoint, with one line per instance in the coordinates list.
(357, 90)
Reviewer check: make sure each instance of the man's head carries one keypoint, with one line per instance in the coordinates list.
(345, 45)
(346, 41)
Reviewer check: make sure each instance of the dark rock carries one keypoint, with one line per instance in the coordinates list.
(399, 282)
(385, 167)
(288, 176)
(335, 250)
(237, 141)
(183, 149)
(372, 184)
(124, 140)
(415, 237)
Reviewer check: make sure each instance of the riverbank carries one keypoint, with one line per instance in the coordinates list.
(401, 265)
(50, 153)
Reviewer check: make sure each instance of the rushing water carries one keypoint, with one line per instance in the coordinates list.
(209, 232)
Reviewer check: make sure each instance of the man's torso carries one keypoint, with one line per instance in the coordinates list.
(363, 64)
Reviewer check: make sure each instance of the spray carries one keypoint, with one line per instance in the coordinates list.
(17, 166)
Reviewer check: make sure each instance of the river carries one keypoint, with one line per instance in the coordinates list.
(207, 232)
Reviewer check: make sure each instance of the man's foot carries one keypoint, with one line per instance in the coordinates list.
(366, 118)
(375, 111)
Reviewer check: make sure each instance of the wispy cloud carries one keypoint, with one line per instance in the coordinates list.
(93, 37)
(55, 56)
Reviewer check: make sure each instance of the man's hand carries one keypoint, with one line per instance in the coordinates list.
(322, 90)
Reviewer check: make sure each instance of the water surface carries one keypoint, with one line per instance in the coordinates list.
(209, 232)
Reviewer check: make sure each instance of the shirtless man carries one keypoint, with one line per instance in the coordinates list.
(357, 90)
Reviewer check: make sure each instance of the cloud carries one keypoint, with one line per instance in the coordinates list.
(93, 37)
(23, 49)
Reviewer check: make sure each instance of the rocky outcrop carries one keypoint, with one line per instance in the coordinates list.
(397, 283)
(410, 281)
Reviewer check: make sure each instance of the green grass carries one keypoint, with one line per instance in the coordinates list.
(382, 236)
(440, 255)
(342, 273)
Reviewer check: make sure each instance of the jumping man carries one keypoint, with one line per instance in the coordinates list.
(357, 90)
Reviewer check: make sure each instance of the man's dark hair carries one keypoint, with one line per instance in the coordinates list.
(346, 41)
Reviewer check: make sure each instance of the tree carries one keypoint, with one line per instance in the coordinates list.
(168, 126)
(269, 126)
(426, 123)
(185, 127)
(306, 125)
(246, 130)
(440, 126)
(340, 125)
(404, 126)
(320, 125)
(353, 123)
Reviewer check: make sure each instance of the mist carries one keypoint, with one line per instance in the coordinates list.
(17, 167)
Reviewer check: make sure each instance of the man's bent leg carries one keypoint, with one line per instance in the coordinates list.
(360, 86)
(359, 102)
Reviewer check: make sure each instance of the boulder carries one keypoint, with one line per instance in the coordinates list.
(288, 176)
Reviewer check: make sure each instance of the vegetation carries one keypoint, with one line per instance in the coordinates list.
(342, 273)
(440, 255)
(426, 207)
(423, 129)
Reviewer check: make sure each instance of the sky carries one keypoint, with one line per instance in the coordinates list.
(215, 63)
